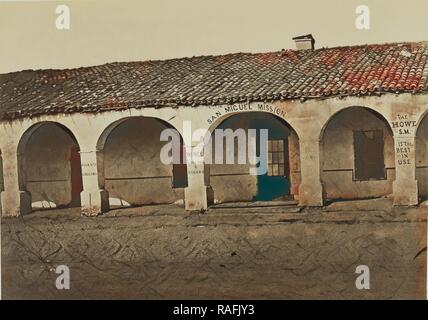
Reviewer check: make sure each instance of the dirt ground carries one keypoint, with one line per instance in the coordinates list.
(163, 252)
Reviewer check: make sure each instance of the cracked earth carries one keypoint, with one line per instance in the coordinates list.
(163, 252)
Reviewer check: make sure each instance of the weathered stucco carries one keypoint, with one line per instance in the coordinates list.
(46, 170)
(133, 170)
(233, 182)
(128, 151)
(337, 146)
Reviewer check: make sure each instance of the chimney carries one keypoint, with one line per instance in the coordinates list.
(306, 42)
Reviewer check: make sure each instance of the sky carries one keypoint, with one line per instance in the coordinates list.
(104, 31)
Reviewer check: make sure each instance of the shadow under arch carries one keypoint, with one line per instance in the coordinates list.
(234, 183)
(357, 154)
(219, 119)
(144, 180)
(371, 110)
(49, 167)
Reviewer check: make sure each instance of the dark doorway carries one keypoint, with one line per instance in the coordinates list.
(76, 177)
(179, 170)
(369, 156)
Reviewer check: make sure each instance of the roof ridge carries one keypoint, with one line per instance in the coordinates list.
(218, 79)
(184, 58)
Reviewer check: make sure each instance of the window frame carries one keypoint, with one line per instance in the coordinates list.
(279, 154)
(354, 171)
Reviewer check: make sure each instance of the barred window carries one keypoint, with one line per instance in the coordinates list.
(276, 158)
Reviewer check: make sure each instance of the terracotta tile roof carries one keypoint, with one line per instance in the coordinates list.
(209, 80)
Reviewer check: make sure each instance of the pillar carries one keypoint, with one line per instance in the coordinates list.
(311, 189)
(15, 200)
(294, 164)
(198, 194)
(94, 198)
(405, 186)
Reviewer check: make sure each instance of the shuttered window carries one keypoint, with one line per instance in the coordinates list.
(369, 155)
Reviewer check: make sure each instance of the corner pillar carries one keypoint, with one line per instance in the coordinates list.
(15, 200)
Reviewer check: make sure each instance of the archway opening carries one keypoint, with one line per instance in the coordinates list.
(49, 166)
(134, 173)
(422, 158)
(357, 155)
(237, 181)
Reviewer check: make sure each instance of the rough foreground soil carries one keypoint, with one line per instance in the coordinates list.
(162, 252)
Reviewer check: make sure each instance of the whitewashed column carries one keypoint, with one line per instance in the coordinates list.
(405, 186)
(197, 194)
(94, 198)
(14, 200)
(311, 189)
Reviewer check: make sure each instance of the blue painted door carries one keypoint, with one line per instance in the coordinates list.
(270, 187)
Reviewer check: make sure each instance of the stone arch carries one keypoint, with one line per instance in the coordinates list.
(49, 168)
(217, 117)
(422, 118)
(129, 164)
(378, 113)
(357, 154)
(235, 183)
(422, 156)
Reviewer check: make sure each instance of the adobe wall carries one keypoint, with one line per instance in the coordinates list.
(46, 166)
(338, 160)
(233, 182)
(133, 170)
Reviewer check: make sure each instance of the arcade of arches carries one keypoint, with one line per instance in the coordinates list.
(360, 156)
